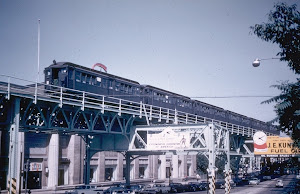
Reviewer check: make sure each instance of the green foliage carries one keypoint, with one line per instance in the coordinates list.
(288, 108)
(202, 163)
(283, 28)
(235, 164)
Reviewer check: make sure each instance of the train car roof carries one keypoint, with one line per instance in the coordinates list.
(166, 91)
(201, 102)
(62, 64)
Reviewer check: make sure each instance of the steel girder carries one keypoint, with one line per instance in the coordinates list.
(199, 140)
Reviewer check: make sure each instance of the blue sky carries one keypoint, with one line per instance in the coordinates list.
(197, 48)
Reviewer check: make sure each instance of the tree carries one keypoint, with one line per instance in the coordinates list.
(283, 28)
(202, 163)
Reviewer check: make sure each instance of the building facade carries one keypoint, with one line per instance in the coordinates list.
(57, 160)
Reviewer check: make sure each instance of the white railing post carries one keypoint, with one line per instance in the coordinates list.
(159, 120)
(176, 117)
(186, 118)
(35, 94)
(168, 116)
(83, 98)
(141, 108)
(120, 107)
(8, 89)
(146, 115)
(102, 110)
(150, 114)
(61, 97)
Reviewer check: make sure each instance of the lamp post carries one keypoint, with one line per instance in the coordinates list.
(256, 62)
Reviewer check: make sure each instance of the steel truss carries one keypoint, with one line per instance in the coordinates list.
(210, 140)
(77, 112)
(83, 100)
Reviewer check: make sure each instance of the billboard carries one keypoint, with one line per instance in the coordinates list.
(274, 146)
(168, 140)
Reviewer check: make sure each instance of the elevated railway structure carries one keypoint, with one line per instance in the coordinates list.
(105, 123)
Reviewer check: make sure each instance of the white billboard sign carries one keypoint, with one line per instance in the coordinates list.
(36, 166)
(168, 140)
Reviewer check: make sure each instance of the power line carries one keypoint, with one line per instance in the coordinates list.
(233, 97)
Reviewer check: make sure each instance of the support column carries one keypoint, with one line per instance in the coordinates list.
(163, 166)
(119, 167)
(250, 169)
(211, 157)
(175, 166)
(21, 148)
(127, 174)
(87, 160)
(227, 165)
(53, 159)
(74, 155)
(136, 167)
(150, 167)
(101, 166)
(194, 165)
(183, 166)
(155, 167)
(16, 151)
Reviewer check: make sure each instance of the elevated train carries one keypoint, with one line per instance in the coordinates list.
(73, 76)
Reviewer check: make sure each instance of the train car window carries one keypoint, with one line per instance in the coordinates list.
(117, 86)
(155, 96)
(126, 88)
(93, 80)
(104, 83)
(88, 79)
(122, 87)
(77, 76)
(83, 78)
(49, 72)
(164, 99)
(110, 84)
(129, 89)
(98, 81)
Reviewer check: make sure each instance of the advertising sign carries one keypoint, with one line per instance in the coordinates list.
(35, 166)
(168, 140)
(273, 146)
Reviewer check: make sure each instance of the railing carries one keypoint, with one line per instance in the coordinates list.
(64, 96)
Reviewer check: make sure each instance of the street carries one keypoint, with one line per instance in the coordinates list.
(267, 187)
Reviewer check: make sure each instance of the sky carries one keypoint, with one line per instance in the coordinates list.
(198, 48)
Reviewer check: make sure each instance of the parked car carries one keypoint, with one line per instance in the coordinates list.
(195, 186)
(232, 183)
(86, 189)
(254, 181)
(267, 177)
(177, 187)
(162, 188)
(137, 188)
(115, 190)
(279, 183)
(204, 184)
(220, 184)
(238, 181)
